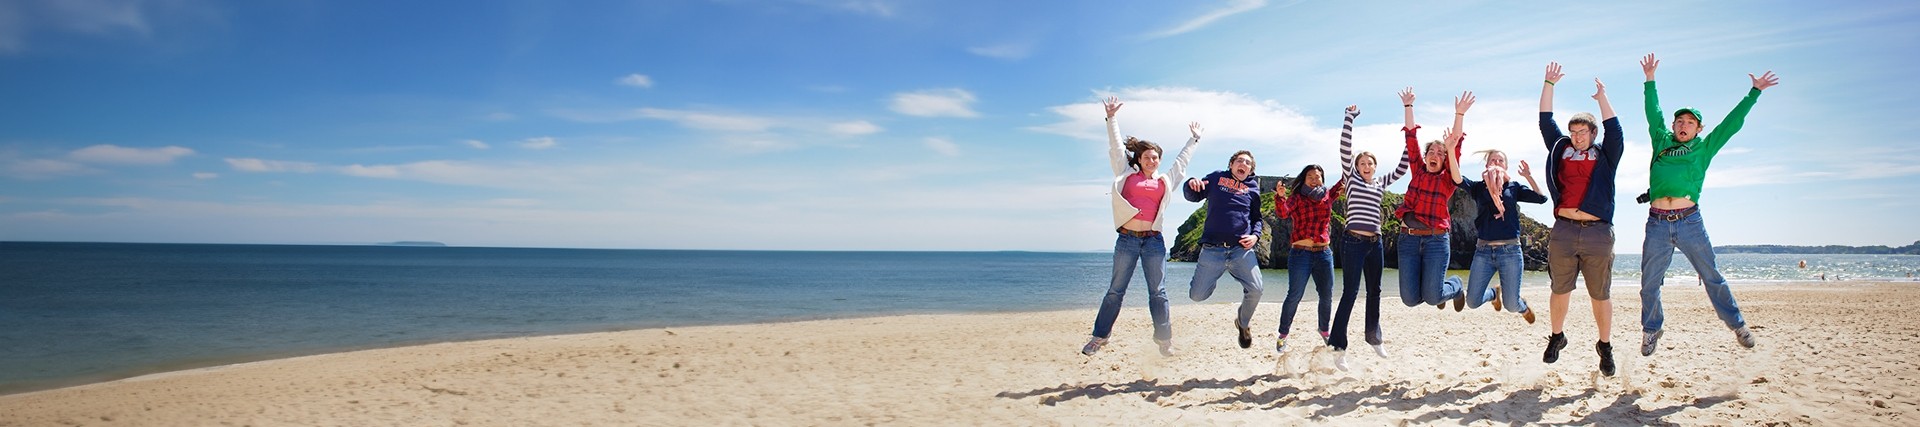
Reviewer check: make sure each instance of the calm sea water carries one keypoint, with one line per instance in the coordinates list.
(82, 312)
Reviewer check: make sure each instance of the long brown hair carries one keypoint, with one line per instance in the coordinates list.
(1136, 146)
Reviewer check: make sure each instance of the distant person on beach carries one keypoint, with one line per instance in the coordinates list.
(1680, 159)
(1310, 205)
(1360, 250)
(1425, 247)
(1140, 194)
(1497, 245)
(1226, 240)
(1580, 177)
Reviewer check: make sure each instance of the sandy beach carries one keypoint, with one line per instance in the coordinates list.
(1829, 354)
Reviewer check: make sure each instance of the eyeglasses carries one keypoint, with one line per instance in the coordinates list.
(1241, 161)
(1582, 132)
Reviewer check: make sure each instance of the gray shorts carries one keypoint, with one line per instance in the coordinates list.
(1581, 248)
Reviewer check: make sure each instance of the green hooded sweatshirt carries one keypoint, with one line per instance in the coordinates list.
(1680, 169)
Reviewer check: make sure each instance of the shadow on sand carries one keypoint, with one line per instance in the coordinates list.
(1522, 407)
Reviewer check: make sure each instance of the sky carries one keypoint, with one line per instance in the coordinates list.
(880, 124)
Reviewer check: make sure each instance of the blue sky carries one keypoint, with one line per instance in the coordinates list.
(875, 124)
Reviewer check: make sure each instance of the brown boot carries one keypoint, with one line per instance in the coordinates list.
(1496, 298)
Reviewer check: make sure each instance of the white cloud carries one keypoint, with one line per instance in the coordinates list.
(1003, 51)
(709, 121)
(636, 80)
(42, 169)
(262, 165)
(935, 103)
(757, 145)
(108, 153)
(540, 143)
(854, 128)
(205, 175)
(943, 146)
(1233, 7)
(476, 144)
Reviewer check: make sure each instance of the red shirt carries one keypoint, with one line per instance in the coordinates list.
(1576, 168)
(1428, 192)
(1310, 216)
(1144, 194)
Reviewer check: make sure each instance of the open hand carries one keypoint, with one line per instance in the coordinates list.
(1648, 64)
(1524, 170)
(1553, 73)
(1113, 106)
(1195, 128)
(1463, 102)
(1600, 89)
(1765, 80)
(1406, 96)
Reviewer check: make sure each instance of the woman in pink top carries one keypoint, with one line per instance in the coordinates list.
(1139, 196)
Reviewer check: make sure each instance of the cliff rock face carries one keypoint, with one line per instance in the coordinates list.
(1272, 249)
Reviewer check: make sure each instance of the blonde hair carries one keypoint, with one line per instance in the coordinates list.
(1487, 154)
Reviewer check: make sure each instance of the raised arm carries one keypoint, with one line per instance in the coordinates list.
(1600, 94)
(1546, 89)
(1738, 117)
(1406, 161)
(1453, 157)
(1656, 119)
(1179, 171)
(1406, 103)
(1346, 139)
(1527, 172)
(1116, 153)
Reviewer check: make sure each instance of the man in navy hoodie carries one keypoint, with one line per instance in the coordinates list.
(1227, 239)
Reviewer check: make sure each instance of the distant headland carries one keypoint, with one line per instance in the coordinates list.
(1913, 249)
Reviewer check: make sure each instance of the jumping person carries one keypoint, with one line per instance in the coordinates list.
(1139, 197)
(1226, 241)
(1360, 252)
(1424, 244)
(1310, 206)
(1497, 247)
(1580, 176)
(1680, 159)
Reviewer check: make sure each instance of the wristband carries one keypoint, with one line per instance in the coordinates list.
(1549, 83)
(1407, 105)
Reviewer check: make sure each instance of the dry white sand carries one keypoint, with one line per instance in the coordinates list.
(1828, 355)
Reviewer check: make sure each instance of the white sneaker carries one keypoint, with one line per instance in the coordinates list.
(1745, 336)
(1166, 347)
(1093, 346)
(1340, 359)
(1280, 345)
(1649, 341)
(1380, 349)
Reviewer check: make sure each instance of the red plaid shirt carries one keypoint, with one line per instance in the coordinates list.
(1310, 216)
(1428, 192)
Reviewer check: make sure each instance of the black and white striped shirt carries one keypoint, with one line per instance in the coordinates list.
(1363, 196)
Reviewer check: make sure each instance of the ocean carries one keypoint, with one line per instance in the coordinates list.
(73, 313)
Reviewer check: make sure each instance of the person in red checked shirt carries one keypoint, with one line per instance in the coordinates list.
(1424, 221)
(1310, 206)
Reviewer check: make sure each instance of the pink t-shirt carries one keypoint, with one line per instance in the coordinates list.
(1144, 194)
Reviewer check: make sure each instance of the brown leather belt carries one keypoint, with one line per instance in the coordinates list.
(1363, 237)
(1310, 248)
(1674, 215)
(1582, 223)
(1140, 234)
(1426, 231)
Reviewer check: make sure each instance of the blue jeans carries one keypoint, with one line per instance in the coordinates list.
(1488, 260)
(1238, 261)
(1358, 258)
(1423, 270)
(1656, 254)
(1128, 251)
(1302, 264)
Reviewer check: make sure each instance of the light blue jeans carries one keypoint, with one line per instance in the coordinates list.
(1150, 252)
(1423, 270)
(1302, 265)
(1505, 260)
(1656, 254)
(1242, 264)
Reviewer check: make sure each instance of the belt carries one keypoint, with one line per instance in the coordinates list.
(1233, 245)
(1362, 237)
(1582, 223)
(1499, 242)
(1310, 248)
(1426, 231)
(1140, 234)
(1674, 215)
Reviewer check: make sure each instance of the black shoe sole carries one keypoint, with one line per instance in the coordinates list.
(1246, 339)
(1553, 350)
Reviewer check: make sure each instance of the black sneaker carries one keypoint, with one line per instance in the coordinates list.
(1555, 342)
(1606, 357)
(1246, 338)
(1460, 302)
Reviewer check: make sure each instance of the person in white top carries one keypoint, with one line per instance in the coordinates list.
(1140, 196)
